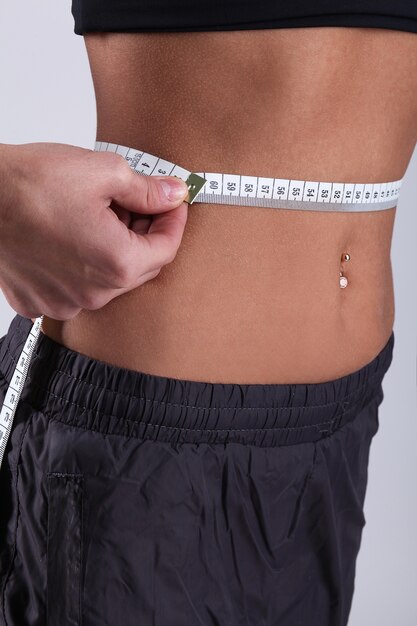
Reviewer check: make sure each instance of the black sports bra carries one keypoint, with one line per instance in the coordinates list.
(206, 15)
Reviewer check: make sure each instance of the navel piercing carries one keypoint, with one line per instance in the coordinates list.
(343, 281)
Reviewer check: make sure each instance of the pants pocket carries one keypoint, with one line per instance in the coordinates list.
(64, 549)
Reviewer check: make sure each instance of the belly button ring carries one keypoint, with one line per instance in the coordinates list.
(343, 281)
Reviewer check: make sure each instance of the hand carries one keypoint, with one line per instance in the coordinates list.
(79, 227)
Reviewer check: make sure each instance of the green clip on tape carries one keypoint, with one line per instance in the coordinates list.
(194, 183)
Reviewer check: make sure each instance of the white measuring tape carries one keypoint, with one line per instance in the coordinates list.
(279, 193)
(219, 189)
(16, 385)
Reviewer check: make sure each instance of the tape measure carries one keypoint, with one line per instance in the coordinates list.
(217, 188)
(14, 390)
(275, 193)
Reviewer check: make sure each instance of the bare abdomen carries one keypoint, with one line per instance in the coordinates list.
(253, 294)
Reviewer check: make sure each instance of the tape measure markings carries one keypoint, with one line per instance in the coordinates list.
(17, 382)
(220, 188)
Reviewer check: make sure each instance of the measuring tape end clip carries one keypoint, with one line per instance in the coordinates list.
(195, 183)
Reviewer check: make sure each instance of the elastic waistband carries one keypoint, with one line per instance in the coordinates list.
(73, 388)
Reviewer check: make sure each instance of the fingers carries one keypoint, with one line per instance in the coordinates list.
(158, 247)
(129, 253)
(123, 214)
(135, 247)
(147, 194)
(146, 223)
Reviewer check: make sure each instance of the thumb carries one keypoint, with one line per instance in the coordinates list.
(149, 194)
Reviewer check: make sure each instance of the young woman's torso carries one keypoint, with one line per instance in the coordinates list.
(253, 294)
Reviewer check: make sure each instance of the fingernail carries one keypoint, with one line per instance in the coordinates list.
(174, 188)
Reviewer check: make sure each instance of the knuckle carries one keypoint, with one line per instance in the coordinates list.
(113, 269)
(113, 159)
(121, 170)
(120, 273)
(151, 193)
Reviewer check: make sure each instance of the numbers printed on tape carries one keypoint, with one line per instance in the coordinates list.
(219, 188)
(15, 387)
(235, 189)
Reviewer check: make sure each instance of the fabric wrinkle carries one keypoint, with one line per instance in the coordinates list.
(145, 499)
